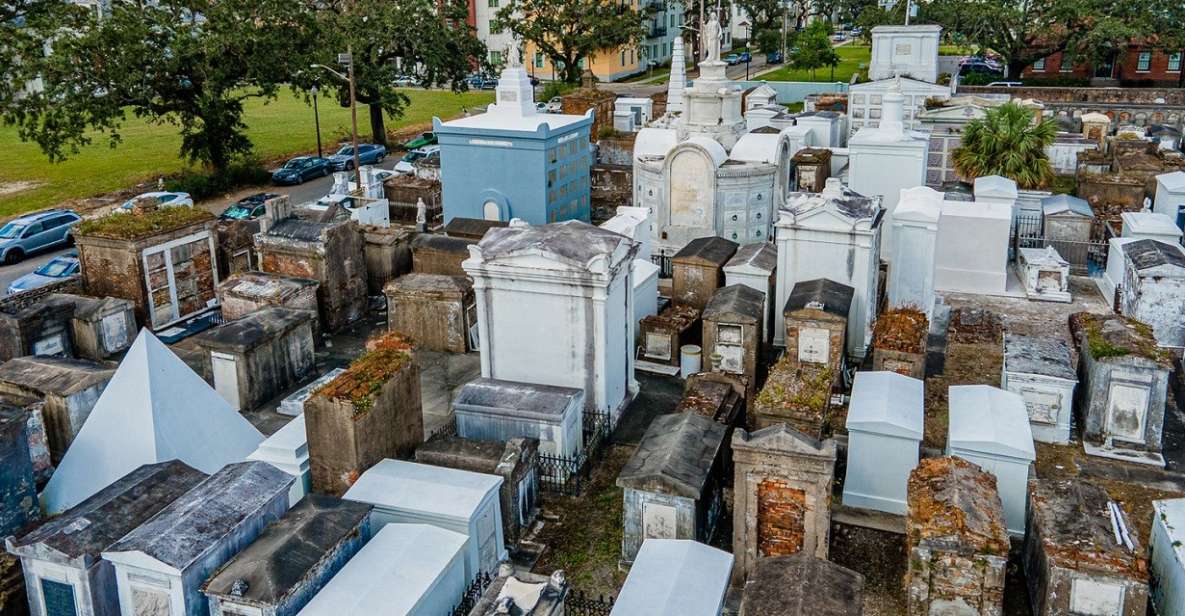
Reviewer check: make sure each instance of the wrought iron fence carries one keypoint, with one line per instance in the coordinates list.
(665, 266)
(582, 604)
(1086, 257)
(472, 594)
(449, 429)
(560, 474)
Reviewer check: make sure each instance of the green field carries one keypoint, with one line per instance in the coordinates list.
(148, 151)
(851, 57)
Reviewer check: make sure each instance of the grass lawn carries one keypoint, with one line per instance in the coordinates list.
(284, 126)
(851, 57)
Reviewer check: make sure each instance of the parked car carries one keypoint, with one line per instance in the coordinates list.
(774, 57)
(406, 165)
(428, 138)
(33, 232)
(541, 107)
(167, 199)
(61, 266)
(247, 208)
(857, 31)
(732, 59)
(746, 56)
(839, 37)
(979, 68)
(555, 105)
(1006, 84)
(368, 154)
(406, 81)
(301, 169)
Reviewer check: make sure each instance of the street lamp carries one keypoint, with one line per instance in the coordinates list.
(348, 60)
(749, 44)
(317, 120)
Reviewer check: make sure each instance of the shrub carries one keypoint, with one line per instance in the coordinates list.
(204, 185)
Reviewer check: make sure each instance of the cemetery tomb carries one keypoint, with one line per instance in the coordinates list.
(1170, 195)
(1153, 289)
(802, 585)
(884, 438)
(990, 427)
(698, 270)
(1167, 556)
(64, 571)
(1073, 560)
(915, 225)
(288, 450)
(577, 279)
(781, 495)
(1124, 387)
(732, 334)
(101, 327)
(754, 265)
(673, 483)
(956, 540)
(493, 410)
(816, 323)
(436, 311)
(971, 254)
(899, 342)
(291, 560)
(1066, 218)
(257, 357)
(1045, 274)
(154, 409)
(662, 335)
(673, 577)
(404, 570)
(460, 501)
(161, 565)
(1039, 370)
(68, 389)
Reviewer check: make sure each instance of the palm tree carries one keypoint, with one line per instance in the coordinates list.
(1007, 142)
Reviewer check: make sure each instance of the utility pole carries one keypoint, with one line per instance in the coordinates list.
(785, 16)
(908, 10)
(349, 60)
(317, 121)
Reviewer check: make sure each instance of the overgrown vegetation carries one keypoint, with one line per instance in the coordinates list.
(1125, 336)
(806, 388)
(385, 357)
(128, 225)
(901, 329)
(206, 184)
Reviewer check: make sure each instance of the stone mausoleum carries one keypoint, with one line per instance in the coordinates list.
(513, 161)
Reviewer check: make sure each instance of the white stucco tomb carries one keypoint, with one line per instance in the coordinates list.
(909, 51)
(1045, 274)
(675, 577)
(971, 254)
(1040, 371)
(1167, 556)
(154, 409)
(1170, 195)
(293, 404)
(288, 450)
(827, 128)
(1153, 290)
(884, 436)
(911, 269)
(460, 501)
(555, 306)
(866, 100)
(1150, 226)
(995, 189)
(635, 223)
(834, 234)
(885, 159)
(494, 410)
(754, 266)
(404, 570)
(990, 427)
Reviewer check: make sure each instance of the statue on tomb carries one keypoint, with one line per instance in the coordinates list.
(513, 54)
(712, 39)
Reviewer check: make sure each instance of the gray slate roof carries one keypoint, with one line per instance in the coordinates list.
(712, 249)
(1066, 203)
(260, 326)
(442, 243)
(471, 228)
(92, 526)
(200, 519)
(287, 553)
(1037, 355)
(522, 398)
(676, 455)
(431, 285)
(299, 229)
(761, 255)
(1148, 253)
(54, 375)
(573, 240)
(835, 298)
(802, 585)
(734, 301)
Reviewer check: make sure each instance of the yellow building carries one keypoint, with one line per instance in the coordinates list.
(608, 65)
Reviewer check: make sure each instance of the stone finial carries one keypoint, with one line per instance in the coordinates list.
(558, 579)
(588, 79)
(505, 570)
(503, 605)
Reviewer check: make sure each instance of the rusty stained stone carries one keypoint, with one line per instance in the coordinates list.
(796, 395)
(954, 505)
(781, 512)
(385, 356)
(1075, 529)
(901, 329)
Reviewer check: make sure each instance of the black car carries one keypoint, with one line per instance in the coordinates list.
(301, 169)
(979, 68)
(247, 208)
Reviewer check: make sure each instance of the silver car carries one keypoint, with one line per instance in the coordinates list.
(34, 232)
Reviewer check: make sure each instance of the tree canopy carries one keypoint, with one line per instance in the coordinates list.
(1008, 142)
(426, 39)
(813, 49)
(191, 63)
(568, 31)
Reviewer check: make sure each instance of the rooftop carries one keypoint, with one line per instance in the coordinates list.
(759, 255)
(954, 505)
(716, 250)
(55, 375)
(260, 326)
(1038, 355)
(1074, 523)
(676, 455)
(407, 486)
(572, 240)
(802, 585)
(131, 226)
(288, 552)
(525, 398)
(736, 300)
(1146, 254)
(821, 294)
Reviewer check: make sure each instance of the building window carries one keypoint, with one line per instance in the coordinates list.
(538, 60)
(1144, 61)
(493, 4)
(1174, 62)
(623, 57)
(1039, 65)
(495, 27)
(1067, 63)
(495, 57)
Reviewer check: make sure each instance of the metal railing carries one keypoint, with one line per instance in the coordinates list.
(566, 475)
(582, 604)
(472, 594)
(1085, 257)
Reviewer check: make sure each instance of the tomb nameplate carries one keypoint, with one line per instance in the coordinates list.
(814, 345)
(658, 521)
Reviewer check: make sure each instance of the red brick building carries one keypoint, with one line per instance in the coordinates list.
(1136, 66)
